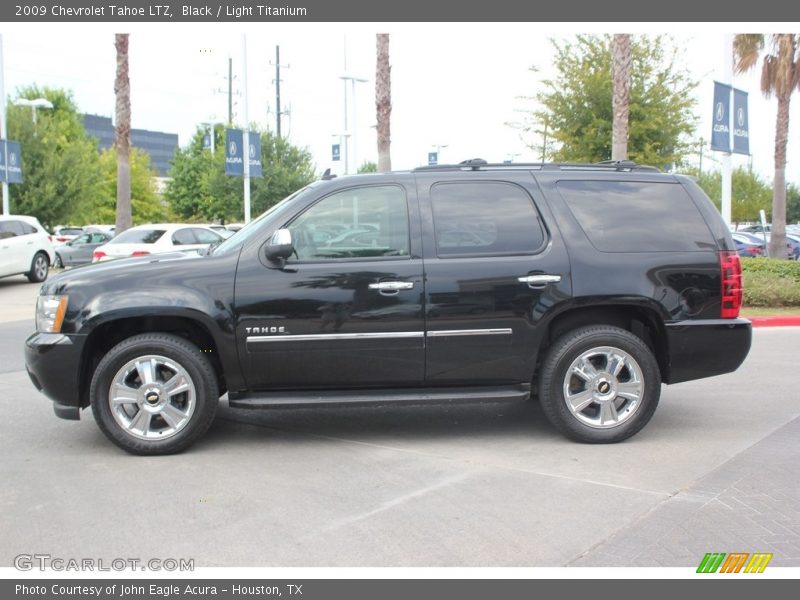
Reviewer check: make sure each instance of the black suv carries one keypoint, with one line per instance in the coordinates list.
(585, 285)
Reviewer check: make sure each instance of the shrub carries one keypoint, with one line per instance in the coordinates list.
(771, 282)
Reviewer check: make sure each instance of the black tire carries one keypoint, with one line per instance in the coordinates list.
(145, 424)
(58, 263)
(607, 372)
(40, 267)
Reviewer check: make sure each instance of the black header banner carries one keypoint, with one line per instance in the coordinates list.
(258, 11)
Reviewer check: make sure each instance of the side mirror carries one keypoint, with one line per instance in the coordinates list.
(279, 247)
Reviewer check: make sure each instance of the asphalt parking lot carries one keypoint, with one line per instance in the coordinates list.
(476, 485)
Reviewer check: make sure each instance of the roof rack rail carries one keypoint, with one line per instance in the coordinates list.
(623, 165)
(477, 164)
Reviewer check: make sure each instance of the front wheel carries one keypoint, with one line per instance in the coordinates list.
(599, 384)
(58, 263)
(154, 393)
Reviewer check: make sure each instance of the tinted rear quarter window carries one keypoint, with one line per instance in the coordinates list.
(484, 219)
(633, 216)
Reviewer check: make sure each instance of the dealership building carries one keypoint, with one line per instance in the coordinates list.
(160, 146)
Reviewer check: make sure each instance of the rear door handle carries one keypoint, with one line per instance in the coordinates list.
(391, 287)
(539, 281)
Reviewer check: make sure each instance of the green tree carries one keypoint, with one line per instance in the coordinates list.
(61, 167)
(146, 205)
(577, 102)
(368, 167)
(750, 193)
(186, 192)
(201, 191)
(792, 203)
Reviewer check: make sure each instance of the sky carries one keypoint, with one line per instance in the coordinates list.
(453, 85)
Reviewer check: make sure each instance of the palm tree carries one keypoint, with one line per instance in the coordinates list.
(122, 89)
(780, 75)
(383, 102)
(621, 101)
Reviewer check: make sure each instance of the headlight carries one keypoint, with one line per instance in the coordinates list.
(50, 311)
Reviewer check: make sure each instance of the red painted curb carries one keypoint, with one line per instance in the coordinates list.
(777, 321)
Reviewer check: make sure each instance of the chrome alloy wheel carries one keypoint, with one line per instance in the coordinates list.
(152, 397)
(603, 387)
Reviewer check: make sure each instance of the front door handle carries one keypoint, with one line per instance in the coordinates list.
(539, 281)
(391, 287)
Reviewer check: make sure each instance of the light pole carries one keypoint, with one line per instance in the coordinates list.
(211, 134)
(3, 123)
(34, 104)
(439, 148)
(342, 137)
(352, 79)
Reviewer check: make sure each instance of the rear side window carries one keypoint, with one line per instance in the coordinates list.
(10, 229)
(484, 219)
(634, 216)
(138, 236)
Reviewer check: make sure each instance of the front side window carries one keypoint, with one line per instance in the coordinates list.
(183, 237)
(484, 219)
(367, 222)
(204, 236)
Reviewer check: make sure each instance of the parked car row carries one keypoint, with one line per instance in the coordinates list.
(26, 248)
(750, 241)
(156, 239)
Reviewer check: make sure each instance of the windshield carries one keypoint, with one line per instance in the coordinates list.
(241, 236)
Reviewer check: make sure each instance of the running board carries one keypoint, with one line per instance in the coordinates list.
(301, 399)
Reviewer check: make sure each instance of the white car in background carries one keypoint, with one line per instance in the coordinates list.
(143, 240)
(63, 234)
(25, 248)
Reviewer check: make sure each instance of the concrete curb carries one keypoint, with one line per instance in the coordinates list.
(777, 321)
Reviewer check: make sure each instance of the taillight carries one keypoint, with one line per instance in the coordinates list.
(140, 253)
(731, 272)
(97, 255)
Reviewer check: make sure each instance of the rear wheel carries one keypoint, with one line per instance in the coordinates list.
(40, 265)
(154, 394)
(599, 384)
(58, 263)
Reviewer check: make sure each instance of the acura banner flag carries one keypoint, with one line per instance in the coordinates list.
(741, 125)
(721, 133)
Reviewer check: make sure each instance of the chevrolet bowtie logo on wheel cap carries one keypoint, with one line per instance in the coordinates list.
(737, 562)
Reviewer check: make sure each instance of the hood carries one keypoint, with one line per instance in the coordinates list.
(123, 272)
